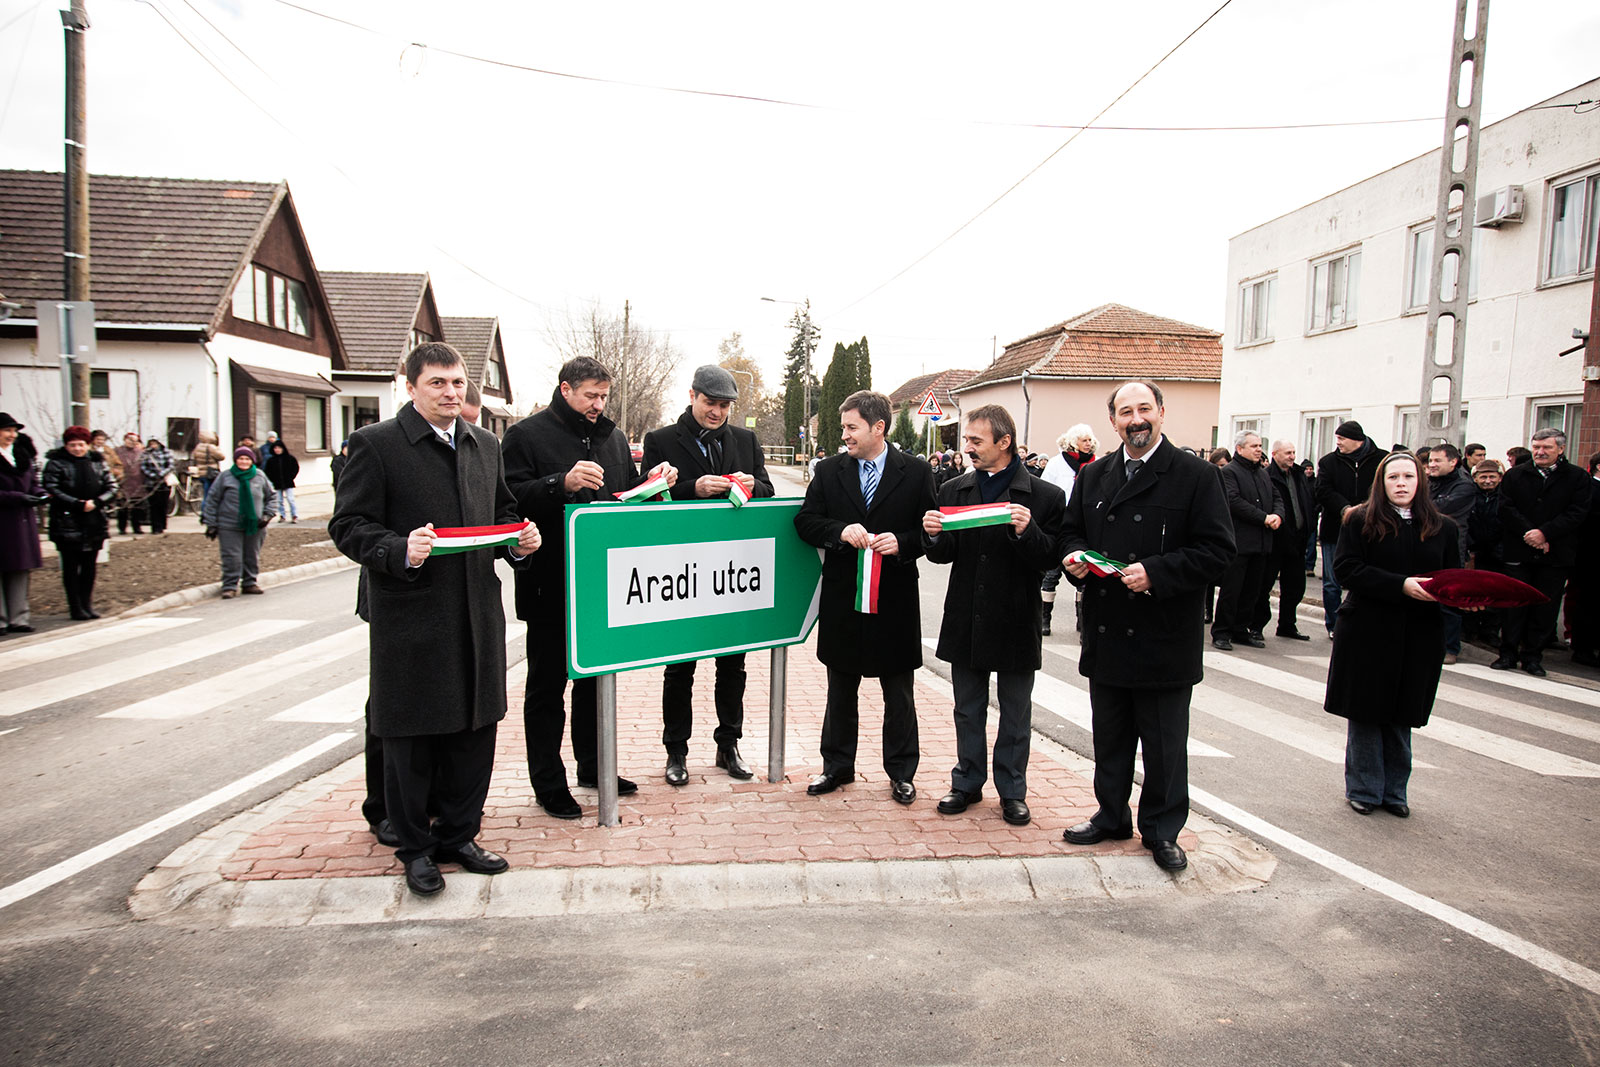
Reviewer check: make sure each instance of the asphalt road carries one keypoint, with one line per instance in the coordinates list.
(1351, 955)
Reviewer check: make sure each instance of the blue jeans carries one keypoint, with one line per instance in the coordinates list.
(286, 503)
(1311, 549)
(1377, 763)
(1452, 630)
(1330, 587)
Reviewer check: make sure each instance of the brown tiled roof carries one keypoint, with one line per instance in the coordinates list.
(375, 312)
(162, 250)
(1111, 341)
(473, 338)
(941, 382)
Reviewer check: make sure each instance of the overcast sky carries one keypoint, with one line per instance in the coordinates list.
(530, 195)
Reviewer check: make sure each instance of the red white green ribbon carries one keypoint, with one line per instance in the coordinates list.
(1096, 563)
(654, 485)
(738, 495)
(448, 539)
(972, 516)
(869, 573)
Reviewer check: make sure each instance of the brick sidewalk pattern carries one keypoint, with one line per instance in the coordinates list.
(713, 819)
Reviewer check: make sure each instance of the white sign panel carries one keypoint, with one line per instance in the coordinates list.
(667, 582)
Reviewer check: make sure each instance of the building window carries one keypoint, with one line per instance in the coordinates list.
(99, 385)
(1318, 438)
(1558, 415)
(1420, 249)
(316, 424)
(1255, 310)
(1574, 223)
(420, 337)
(1256, 424)
(1335, 281)
(272, 300)
(265, 415)
(1411, 437)
(493, 377)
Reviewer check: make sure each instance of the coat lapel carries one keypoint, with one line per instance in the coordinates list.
(850, 485)
(893, 472)
(691, 448)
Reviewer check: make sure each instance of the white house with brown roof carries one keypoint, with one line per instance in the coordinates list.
(382, 316)
(209, 313)
(915, 391)
(1063, 375)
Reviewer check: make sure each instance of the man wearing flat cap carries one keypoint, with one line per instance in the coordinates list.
(710, 454)
(1344, 477)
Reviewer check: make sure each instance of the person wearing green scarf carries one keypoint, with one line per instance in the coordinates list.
(235, 515)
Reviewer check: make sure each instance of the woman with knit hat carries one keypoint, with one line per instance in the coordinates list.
(80, 489)
(235, 515)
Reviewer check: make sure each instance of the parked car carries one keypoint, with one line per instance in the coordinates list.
(637, 450)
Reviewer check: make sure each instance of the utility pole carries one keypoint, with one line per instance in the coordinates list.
(623, 374)
(1588, 442)
(1444, 355)
(75, 200)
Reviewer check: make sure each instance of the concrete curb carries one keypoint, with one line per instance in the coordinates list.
(195, 594)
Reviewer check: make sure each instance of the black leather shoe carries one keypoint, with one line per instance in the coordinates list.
(1361, 807)
(677, 773)
(384, 832)
(1015, 812)
(1254, 640)
(1585, 659)
(472, 857)
(561, 804)
(903, 792)
(19, 628)
(957, 800)
(423, 877)
(624, 787)
(1221, 643)
(1167, 854)
(1294, 635)
(1399, 811)
(828, 781)
(1504, 663)
(1534, 667)
(1091, 833)
(728, 759)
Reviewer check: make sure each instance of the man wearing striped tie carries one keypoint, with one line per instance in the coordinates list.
(864, 509)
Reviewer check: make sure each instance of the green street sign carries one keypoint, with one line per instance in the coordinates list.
(685, 579)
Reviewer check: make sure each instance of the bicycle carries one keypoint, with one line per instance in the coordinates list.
(188, 494)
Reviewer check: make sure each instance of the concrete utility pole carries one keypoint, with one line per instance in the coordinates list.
(1588, 442)
(1445, 347)
(622, 375)
(75, 202)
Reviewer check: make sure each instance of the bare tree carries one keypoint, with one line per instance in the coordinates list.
(640, 367)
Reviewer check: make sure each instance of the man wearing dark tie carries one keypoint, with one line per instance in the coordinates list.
(869, 497)
(1160, 513)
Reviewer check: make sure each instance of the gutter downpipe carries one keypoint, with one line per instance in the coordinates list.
(1027, 409)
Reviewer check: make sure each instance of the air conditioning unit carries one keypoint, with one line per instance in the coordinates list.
(1499, 207)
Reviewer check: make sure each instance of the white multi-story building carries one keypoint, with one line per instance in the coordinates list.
(1327, 305)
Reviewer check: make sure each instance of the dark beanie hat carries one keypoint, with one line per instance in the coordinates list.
(1351, 429)
(244, 450)
(76, 433)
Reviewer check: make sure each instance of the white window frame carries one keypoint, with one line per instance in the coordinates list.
(1414, 262)
(1588, 181)
(1571, 409)
(1346, 261)
(317, 425)
(1406, 424)
(1256, 424)
(1251, 293)
(1312, 427)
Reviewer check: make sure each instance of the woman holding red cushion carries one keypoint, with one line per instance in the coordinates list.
(1388, 645)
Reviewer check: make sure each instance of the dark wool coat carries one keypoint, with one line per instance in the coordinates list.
(992, 604)
(1251, 498)
(70, 480)
(1174, 519)
(1289, 539)
(889, 642)
(1454, 495)
(539, 452)
(282, 469)
(1388, 649)
(438, 641)
(676, 445)
(1555, 505)
(19, 524)
(1344, 481)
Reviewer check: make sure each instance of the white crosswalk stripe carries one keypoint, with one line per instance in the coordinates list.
(346, 703)
(86, 641)
(246, 681)
(1547, 687)
(78, 683)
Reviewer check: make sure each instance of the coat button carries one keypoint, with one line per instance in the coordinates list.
(1111, 518)
(381, 553)
(1133, 557)
(1138, 518)
(1130, 631)
(1102, 592)
(1099, 629)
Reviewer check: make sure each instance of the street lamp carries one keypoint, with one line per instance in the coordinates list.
(805, 379)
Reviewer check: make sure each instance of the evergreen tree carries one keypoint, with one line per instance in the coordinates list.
(801, 346)
(838, 383)
(863, 365)
(904, 433)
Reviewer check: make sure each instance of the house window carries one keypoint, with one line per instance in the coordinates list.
(420, 337)
(316, 424)
(1558, 415)
(266, 415)
(1421, 253)
(1411, 437)
(1318, 438)
(493, 376)
(1255, 310)
(1574, 215)
(1335, 281)
(99, 385)
(1256, 424)
(272, 300)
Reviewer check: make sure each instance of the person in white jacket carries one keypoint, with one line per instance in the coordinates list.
(1077, 446)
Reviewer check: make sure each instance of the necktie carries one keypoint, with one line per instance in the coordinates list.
(450, 439)
(871, 485)
(1132, 468)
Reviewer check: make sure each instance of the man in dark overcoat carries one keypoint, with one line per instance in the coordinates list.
(1161, 512)
(1257, 512)
(1542, 508)
(993, 608)
(1344, 478)
(437, 628)
(710, 454)
(869, 496)
(1286, 564)
(567, 453)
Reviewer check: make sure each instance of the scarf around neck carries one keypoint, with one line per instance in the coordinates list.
(249, 522)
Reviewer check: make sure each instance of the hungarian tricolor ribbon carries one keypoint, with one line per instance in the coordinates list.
(1096, 563)
(738, 495)
(651, 486)
(972, 516)
(869, 573)
(449, 539)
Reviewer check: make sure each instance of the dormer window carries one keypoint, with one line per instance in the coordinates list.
(271, 299)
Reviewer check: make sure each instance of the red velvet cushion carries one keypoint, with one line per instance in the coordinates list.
(1461, 588)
